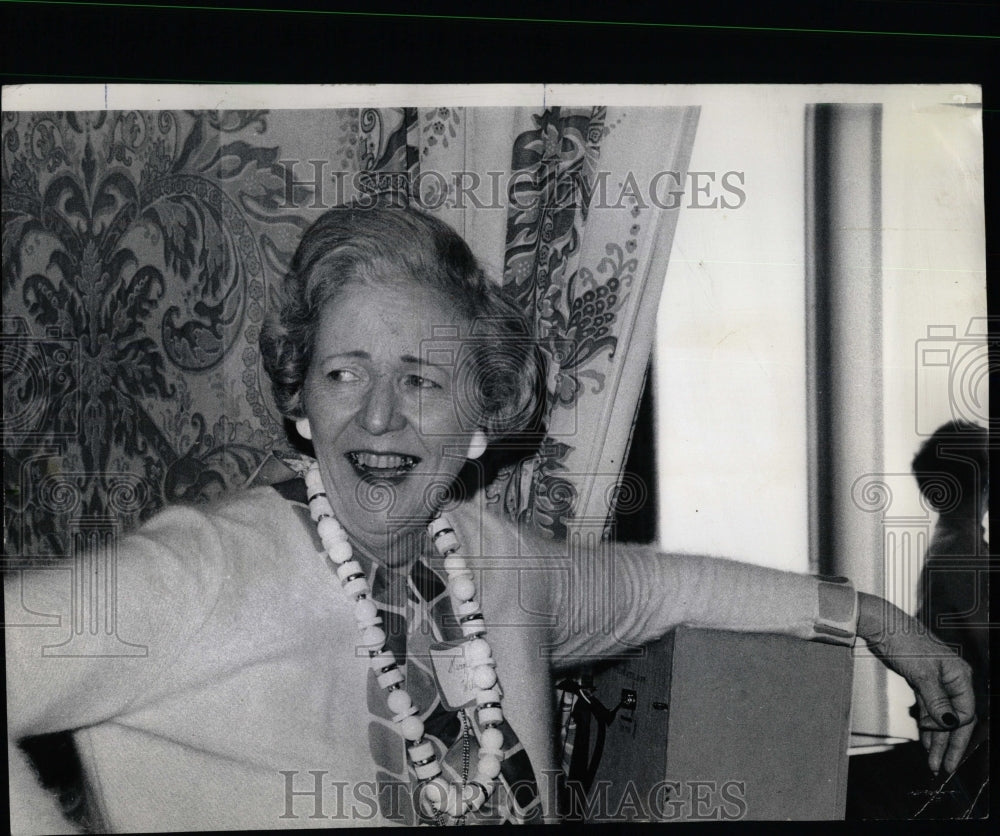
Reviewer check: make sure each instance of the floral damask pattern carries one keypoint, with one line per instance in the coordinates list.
(140, 250)
(127, 237)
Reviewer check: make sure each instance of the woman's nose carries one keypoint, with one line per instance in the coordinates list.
(380, 413)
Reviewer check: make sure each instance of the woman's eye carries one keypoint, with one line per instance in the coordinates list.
(342, 376)
(417, 382)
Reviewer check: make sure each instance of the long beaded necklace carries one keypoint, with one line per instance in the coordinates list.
(438, 796)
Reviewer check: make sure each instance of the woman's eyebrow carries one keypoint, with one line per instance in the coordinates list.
(416, 361)
(361, 355)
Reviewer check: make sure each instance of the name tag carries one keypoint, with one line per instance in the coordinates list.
(453, 676)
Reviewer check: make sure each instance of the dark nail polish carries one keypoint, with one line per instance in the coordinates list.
(949, 719)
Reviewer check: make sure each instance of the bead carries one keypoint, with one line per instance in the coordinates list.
(467, 608)
(351, 567)
(483, 676)
(314, 482)
(329, 531)
(393, 677)
(373, 621)
(462, 588)
(487, 695)
(455, 563)
(453, 805)
(422, 751)
(398, 701)
(383, 660)
(412, 727)
(432, 796)
(476, 627)
(372, 637)
(365, 610)
(399, 718)
(319, 507)
(428, 770)
(491, 715)
(339, 552)
(473, 796)
(491, 740)
(446, 542)
(477, 651)
(437, 525)
(359, 586)
(489, 766)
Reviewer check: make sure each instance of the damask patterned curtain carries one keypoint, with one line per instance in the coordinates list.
(139, 249)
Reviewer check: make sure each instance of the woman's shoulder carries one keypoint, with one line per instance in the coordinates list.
(486, 530)
(252, 506)
(256, 521)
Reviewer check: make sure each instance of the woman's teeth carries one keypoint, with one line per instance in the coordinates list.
(381, 464)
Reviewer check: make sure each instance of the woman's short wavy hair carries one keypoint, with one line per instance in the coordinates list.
(500, 375)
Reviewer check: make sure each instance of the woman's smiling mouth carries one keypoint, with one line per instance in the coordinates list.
(369, 464)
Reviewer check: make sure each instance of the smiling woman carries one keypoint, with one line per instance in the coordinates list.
(358, 643)
(380, 417)
(374, 343)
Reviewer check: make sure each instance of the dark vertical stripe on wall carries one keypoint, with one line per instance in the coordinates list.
(818, 399)
(843, 334)
(844, 361)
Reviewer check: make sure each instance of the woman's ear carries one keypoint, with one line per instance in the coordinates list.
(478, 445)
(302, 425)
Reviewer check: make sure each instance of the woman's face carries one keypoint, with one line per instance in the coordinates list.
(384, 422)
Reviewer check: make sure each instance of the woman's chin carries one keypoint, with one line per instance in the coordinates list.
(377, 512)
(391, 535)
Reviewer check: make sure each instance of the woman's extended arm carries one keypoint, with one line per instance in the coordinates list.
(56, 681)
(632, 595)
(643, 594)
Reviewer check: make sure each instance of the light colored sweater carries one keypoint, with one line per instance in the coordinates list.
(252, 684)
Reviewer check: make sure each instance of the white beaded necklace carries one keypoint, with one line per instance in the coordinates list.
(437, 795)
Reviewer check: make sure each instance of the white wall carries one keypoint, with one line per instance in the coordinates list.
(729, 365)
(730, 373)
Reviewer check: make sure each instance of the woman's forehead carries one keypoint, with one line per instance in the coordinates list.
(406, 313)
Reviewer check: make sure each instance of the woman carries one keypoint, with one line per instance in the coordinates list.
(357, 646)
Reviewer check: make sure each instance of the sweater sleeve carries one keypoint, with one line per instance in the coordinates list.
(606, 598)
(89, 639)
